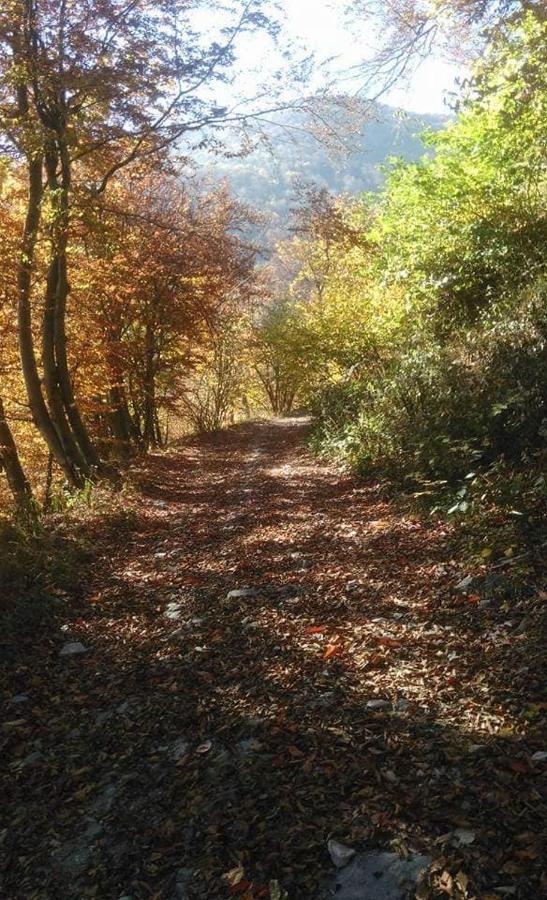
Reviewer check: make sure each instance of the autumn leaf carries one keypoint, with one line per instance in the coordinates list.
(295, 752)
(518, 765)
(234, 876)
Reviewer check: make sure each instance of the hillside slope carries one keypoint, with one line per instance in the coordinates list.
(266, 178)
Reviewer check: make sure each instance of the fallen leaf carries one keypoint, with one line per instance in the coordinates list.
(518, 765)
(529, 853)
(295, 752)
(234, 876)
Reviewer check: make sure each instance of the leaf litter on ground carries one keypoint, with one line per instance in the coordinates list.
(360, 700)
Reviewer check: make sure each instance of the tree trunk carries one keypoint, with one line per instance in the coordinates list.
(37, 405)
(157, 429)
(9, 461)
(120, 419)
(149, 385)
(48, 485)
(65, 382)
(62, 404)
(51, 383)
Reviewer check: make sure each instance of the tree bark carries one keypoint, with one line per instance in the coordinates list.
(157, 429)
(10, 462)
(37, 405)
(51, 383)
(65, 382)
(120, 419)
(149, 385)
(61, 400)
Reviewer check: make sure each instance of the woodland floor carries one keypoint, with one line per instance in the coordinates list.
(200, 735)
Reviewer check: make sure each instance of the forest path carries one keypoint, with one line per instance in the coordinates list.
(348, 694)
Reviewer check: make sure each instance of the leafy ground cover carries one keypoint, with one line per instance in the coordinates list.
(208, 745)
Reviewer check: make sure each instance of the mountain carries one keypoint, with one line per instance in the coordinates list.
(266, 178)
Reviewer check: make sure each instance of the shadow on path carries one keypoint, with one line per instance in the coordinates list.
(351, 696)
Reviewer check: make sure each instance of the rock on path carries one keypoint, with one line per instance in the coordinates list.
(376, 876)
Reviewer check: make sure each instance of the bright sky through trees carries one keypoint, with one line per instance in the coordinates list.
(323, 28)
(339, 44)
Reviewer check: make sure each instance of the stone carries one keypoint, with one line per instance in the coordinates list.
(376, 876)
(104, 800)
(466, 584)
(73, 648)
(183, 881)
(93, 830)
(19, 698)
(339, 853)
(178, 750)
(352, 586)
(249, 745)
(302, 562)
(241, 594)
(32, 759)
(464, 836)
(75, 856)
(378, 704)
(173, 611)
(74, 859)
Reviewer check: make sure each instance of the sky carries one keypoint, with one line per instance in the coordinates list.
(320, 26)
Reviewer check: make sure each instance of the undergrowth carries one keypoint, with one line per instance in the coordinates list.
(45, 562)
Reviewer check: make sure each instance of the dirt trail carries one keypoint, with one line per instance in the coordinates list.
(348, 694)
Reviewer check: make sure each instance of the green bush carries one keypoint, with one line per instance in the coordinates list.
(435, 412)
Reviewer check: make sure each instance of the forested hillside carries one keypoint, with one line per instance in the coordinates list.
(290, 155)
